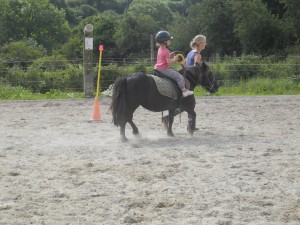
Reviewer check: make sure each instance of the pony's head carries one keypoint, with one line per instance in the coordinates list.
(200, 74)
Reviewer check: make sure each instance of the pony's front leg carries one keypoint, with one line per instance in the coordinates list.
(190, 117)
(191, 122)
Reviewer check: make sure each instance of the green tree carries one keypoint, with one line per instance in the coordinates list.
(72, 49)
(38, 20)
(259, 31)
(60, 4)
(104, 28)
(214, 19)
(156, 9)
(183, 31)
(275, 7)
(292, 20)
(13, 24)
(133, 36)
(77, 10)
(22, 52)
(116, 5)
(142, 19)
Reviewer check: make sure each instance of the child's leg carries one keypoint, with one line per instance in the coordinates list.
(174, 75)
(179, 79)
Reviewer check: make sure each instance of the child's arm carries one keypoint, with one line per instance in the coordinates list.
(197, 58)
(171, 60)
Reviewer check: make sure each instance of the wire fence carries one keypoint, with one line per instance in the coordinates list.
(67, 75)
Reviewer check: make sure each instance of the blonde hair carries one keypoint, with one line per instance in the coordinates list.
(196, 40)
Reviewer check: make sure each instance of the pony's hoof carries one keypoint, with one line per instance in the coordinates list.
(171, 135)
(190, 130)
(124, 139)
(136, 133)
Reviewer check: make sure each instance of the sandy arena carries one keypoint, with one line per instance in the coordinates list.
(241, 168)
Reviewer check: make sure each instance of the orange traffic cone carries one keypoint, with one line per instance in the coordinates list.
(96, 116)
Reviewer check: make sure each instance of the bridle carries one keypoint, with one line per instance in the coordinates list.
(212, 84)
(210, 87)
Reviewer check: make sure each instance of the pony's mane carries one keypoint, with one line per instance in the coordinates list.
(196, 69)
(139, 73)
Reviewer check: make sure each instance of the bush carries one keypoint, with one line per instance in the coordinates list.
(293, 63)
(111, 72)
(3, 69)
(74, 78)
(243, 68)
(235, 70)
(50, 63)
(54, 73)
(108, 75)
(7, 92)
(16, 76)
(220, 73)
(69, 79)
(274, 71)
(38, 80)
(32, 79)
(22, 53)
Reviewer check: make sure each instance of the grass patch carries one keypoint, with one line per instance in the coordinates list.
(19, 93)
(256, 86)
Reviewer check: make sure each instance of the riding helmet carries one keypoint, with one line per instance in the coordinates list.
(162, 36)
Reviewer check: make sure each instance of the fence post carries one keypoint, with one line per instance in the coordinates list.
(151, 50)
(88, 78)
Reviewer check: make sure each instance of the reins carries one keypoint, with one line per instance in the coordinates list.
(213, 84)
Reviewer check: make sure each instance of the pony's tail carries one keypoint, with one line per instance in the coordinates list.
(119, 101)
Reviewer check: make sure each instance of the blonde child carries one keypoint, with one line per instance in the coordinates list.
(197, 45)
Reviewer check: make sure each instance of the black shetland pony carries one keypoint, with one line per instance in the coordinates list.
(140, 89)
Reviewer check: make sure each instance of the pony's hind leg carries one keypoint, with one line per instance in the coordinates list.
(122, 133)
(135, 130)
(169, 119)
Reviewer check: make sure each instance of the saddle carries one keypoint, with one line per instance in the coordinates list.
(167, 86)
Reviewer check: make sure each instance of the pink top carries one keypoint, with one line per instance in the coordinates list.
(162, 55)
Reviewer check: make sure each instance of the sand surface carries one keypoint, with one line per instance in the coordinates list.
(241, 168)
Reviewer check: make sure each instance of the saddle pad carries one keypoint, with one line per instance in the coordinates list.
(165, 87)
